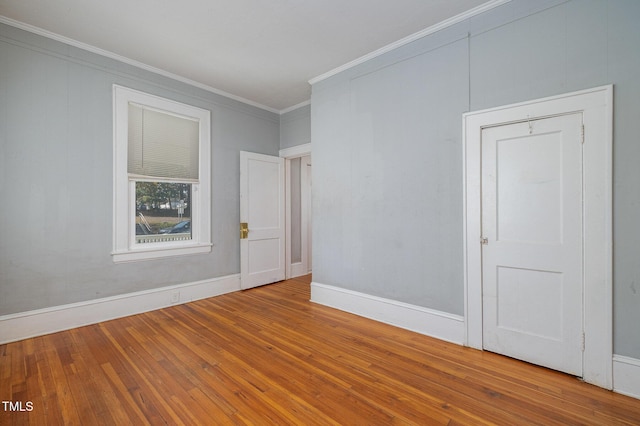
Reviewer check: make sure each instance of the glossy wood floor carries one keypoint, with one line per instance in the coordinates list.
(269, 356)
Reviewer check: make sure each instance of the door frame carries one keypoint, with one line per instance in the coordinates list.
(289, 154)
(305, 215)
(596, 106)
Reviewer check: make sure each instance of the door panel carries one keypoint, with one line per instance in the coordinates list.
(516, 289)
(529, 189)
(532, 258)
(262, 253)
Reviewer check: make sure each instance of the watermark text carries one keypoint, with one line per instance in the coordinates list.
(17, 406)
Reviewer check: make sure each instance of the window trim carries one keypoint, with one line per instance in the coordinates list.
(124, 246)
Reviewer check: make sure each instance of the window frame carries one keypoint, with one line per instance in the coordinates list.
(125, 248)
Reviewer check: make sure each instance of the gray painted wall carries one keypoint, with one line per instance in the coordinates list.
(295, 127)
(387, 146)
(296, 211)
(56, 175)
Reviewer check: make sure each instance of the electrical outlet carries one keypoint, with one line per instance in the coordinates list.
(175, 297)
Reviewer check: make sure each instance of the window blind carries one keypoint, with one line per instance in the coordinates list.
(162, 145)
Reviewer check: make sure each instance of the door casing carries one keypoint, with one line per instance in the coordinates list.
(302, 268)
(596, 105)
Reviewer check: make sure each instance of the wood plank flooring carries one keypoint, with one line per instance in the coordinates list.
(269, 356)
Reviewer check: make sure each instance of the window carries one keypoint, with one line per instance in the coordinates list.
(162, 204)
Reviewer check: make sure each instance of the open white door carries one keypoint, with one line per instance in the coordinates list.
(262, 217)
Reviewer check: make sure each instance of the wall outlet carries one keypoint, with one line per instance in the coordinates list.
(175, 297)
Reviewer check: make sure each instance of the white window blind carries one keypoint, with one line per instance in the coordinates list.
(162, 145)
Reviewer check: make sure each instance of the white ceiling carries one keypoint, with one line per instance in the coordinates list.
(263, 51)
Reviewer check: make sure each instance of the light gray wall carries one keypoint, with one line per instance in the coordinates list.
(56, 175)
(387, 146)
(296, 211)
(295, 127)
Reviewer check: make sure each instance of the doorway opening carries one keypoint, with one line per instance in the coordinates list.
(298, 168)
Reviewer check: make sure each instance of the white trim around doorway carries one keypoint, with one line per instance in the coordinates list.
(296, 151)
(596, 105)
(292, 270)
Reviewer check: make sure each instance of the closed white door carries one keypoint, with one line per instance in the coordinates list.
(532, 282)
(262, 214)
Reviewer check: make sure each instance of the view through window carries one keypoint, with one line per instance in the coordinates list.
(163, 212)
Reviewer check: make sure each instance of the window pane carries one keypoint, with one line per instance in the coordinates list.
(163, 212)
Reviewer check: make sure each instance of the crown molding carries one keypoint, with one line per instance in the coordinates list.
(294, 107)
(413, 37)
(102, 52)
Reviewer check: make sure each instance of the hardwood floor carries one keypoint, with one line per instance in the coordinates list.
(269, 356)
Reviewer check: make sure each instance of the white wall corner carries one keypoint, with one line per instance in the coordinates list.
(39, 322)
(441, 325)
(626, 376)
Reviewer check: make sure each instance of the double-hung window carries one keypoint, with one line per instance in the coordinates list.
(162, 161)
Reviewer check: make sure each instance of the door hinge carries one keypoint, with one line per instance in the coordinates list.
(582, 133)
(582, 338)
(484, 241)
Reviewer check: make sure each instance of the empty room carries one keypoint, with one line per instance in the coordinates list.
(316, 212)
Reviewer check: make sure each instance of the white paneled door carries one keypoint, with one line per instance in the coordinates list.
(262, 217)
(532, 239)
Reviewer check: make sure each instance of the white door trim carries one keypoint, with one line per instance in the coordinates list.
(289, 154)
(305, 214)
(596, 105)
(296, 151)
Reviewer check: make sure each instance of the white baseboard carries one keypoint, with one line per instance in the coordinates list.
(426, 321)
(23, 325)
(298, 269)
(442, 325)
(626, 376)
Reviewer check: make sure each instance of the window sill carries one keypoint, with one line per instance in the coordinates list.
(159, 253)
